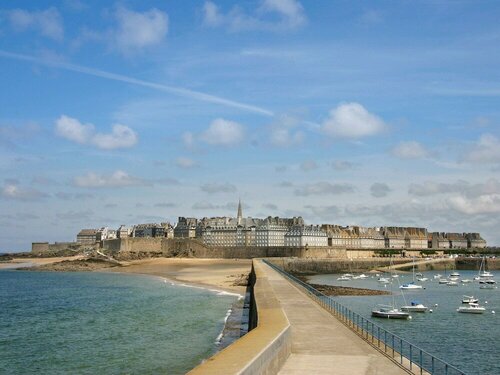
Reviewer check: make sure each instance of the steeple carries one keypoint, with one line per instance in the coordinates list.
(240, 213)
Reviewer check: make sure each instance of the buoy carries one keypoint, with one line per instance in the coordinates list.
(492, 311)
(435, 304)
(485, 301)
(410, 317)
(430, 310)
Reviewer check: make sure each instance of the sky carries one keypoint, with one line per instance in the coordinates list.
(370, 113)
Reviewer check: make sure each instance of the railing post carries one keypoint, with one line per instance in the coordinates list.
(411, 355)
(401, 350)
(421, 361)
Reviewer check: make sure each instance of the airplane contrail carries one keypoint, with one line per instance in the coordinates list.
(139, 82)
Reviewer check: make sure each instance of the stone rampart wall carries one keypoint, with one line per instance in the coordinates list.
(266, 347)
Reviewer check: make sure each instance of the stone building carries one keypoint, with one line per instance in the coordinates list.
(439, 241)
(152, 230)
(186, 227)
(457, 240)
(87, 236)
(475, 241)
(394, 237)
(123, 232)
(106, 234)
(240, 231)
(302, 236)
(416, 238)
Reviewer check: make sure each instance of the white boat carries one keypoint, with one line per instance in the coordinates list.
(470, 299)
(414, 306)
(410, 286)
(473, 308)
(390, 312)
(452, 283)
(362, 276)
(438, 276)
(422, 279)
(383, 280)
(466, 281)
(483, 274)
(454, 274)
(487, 284)
(444, 281)
(343, 278)
(348, 275)
(395, 275)
(419, 274)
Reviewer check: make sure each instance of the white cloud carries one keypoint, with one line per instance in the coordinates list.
(271, 15)
(218, 188)
(12, 191)
(283, 132)
(223, 133)
(342, 165)
(308, 165)
(484, 204)
(48, 22)
(116, 179)
(138, 30)
(429, 188)
(211, 15)
(410, 150)
(485, 150)
(352, 120)
(321, 188)
(186, 163)
(379, 190)
(291, 11)
(121, 136)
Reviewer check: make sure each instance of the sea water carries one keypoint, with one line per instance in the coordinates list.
(99, 323)
(470, 342)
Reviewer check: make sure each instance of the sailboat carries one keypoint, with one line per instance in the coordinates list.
(390, 311)
(414, 306)
(411, 285)
(483, 274)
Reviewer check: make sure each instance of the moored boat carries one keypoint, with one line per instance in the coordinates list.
(414, 306)
(470, 299)
(410, 286)
(389, 312)
(473, 308)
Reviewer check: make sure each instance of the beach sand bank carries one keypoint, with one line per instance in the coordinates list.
(225, 274)
(35, 262)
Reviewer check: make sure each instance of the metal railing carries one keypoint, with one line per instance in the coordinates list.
(403, 352)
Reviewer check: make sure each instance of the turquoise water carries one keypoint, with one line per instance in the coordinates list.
(468, 341)
(97, 323)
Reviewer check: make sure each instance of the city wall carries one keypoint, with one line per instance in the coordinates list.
(267, 346)
(135, 248)
(60, 248)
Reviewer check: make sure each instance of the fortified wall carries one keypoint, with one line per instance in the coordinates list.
(135, 248)
(49, 249)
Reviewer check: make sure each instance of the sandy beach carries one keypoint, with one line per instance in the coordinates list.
(34, 262)
(224, 274)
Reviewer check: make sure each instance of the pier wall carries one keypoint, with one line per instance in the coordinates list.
(266, 347)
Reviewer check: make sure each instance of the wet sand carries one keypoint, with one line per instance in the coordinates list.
(34, 262)
(224, 274)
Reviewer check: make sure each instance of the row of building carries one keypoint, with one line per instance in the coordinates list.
(288, 232)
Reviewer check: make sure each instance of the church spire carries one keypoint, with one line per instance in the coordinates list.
(240, 212)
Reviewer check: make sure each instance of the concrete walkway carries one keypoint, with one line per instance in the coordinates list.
(321, 344)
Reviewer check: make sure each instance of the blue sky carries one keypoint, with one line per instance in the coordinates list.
(370, 113)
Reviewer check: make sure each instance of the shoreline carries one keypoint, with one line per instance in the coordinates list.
(217, 276)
